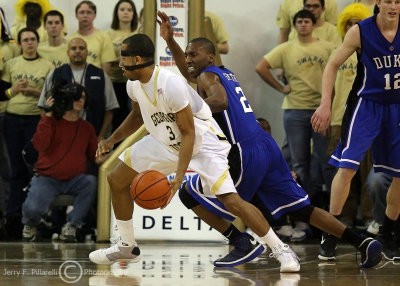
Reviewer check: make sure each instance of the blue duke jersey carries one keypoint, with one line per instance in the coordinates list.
(378, 71)
(372, 115)
(256, 163)
(239, 122)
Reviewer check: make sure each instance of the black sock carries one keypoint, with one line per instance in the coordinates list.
(232, 232)
(327, 234)
(352, 237)
(387, 226)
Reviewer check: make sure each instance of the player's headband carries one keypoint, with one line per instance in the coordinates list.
(134, 53)
(135, 67)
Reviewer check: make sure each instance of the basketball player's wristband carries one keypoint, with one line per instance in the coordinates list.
(10, 93)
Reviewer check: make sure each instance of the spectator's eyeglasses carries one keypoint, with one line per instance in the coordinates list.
(314, 6)
(83, 12)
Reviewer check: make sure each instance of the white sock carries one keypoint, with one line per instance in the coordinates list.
(125, 229)
(273, 241)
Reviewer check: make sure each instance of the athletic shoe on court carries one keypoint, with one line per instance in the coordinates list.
(327, 248)
(286, 233)
(371, 252)
(301, 226)
(373, 227)
(288, 259)
(116, 253)
(298, 235)
(29, 233)
(246, 248)
(390, 250)
(68, 233)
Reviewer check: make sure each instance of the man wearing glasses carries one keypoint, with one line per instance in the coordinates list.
(100, 47)
(322, 29)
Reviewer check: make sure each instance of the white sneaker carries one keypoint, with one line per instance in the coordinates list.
(284, 232)
(116, 253)
(373, 227)
(287, 233)
(288, 259)
(298, 235)
(303, 227)
(68, 233)
(29, 233)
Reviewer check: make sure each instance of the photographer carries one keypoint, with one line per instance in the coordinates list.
(65, 142)
(101, 95)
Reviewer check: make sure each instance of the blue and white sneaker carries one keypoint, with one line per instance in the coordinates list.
(371, 252)
(246, 248)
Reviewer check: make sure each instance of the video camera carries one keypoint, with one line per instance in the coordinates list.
(64, 96)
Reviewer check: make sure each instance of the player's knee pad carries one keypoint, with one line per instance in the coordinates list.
(187, 200)
(303, 214)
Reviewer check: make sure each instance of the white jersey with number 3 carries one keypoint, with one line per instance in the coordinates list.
(160, 98)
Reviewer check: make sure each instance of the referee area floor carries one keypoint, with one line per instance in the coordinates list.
(181, 263)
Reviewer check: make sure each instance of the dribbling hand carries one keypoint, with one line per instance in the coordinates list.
(103, 147)
(175, 184)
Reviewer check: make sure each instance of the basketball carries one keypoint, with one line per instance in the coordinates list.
(150, 189)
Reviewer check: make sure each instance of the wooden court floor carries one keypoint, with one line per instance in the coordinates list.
(180, 263)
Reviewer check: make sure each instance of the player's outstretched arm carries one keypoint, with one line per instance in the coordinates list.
(212, 91)
(131, 123)
(321, 118)
(167, 34)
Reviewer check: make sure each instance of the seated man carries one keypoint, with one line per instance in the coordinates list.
(65, 142)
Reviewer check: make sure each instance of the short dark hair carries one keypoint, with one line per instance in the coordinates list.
(304, 14)
(140, 45)
(87, 2)
(27, 30)
(322, 2)
(115, 20)
(54, 13)
(261, 119)
(206, 43)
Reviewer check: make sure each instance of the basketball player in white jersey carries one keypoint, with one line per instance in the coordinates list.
(183, 135)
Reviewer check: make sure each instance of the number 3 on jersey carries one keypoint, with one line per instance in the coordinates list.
(245, 104)
(172, 135)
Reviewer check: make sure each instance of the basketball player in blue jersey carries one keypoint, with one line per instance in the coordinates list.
(256, 163)
(372, 115)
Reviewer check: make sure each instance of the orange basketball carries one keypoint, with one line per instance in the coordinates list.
(150, 189)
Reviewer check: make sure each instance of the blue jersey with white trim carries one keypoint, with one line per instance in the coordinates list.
(378, 73)
(239, 122)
